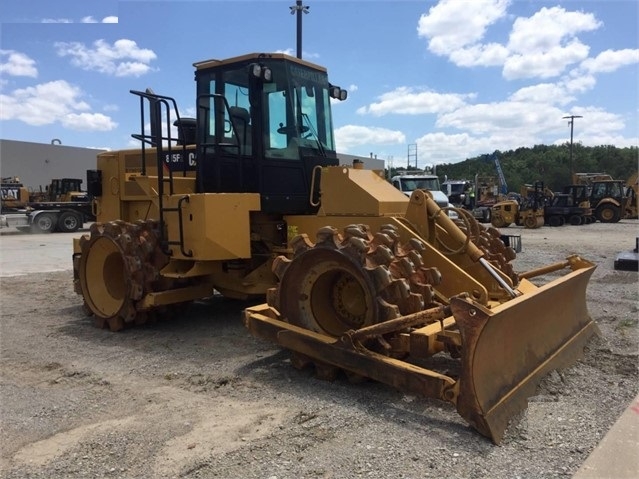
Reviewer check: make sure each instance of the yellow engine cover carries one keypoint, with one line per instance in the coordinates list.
(215, 226)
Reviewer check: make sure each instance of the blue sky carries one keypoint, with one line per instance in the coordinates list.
(457, 78)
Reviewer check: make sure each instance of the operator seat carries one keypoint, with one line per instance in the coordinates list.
(241, 119)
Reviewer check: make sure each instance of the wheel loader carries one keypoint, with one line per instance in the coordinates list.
(249, 199)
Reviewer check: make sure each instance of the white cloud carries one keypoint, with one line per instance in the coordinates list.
(90, 19)
(548, 28)
(611, 60)
(52, 102)
(550, 93)
(437, 148)
(579, 82)
(17, 64)
(543, 45)
(350, 136)
(57, 20)
(122, 58)
(502, 117)
(88, 122)
(452, 25)
(544, 64)
(409, 101)
(87, 19)
(597, 121)
(288, 51)
(491, 54)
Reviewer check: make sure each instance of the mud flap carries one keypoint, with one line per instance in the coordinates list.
(508, 349)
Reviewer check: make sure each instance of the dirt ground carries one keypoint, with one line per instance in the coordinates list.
(199, 397)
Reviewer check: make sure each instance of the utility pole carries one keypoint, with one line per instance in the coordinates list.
(572, 127)
(298, 8)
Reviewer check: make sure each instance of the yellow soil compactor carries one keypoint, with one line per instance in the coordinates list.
(249, 199)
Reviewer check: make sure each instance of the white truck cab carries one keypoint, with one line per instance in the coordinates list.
(407, 183)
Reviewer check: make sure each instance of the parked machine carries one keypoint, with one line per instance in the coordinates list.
(537, 205)
(528, 210)
(562, 209)
(250, 200)
(487, 190)
(607, 196)
(14, 196)
(61, 207)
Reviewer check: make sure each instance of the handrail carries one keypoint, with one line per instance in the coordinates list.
(313, 176)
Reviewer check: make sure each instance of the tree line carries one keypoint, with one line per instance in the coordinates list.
(548, 163)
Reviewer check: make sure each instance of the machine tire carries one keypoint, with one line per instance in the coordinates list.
(530, 222)
(608, 214)
(576, 220)
(69, 222)
(120, 263)
(498, 221)
(555, 220)
(44, 223)
(356, 280)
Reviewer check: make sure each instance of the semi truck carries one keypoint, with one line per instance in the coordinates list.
(61, 207)
(411, 182)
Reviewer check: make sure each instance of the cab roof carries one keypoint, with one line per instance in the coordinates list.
(254, 56)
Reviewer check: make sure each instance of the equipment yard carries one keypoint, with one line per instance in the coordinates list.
(199, 396)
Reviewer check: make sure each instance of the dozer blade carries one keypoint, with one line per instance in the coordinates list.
(508, 349)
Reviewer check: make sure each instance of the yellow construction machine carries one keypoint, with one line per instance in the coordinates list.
(249, 200)
(527, 211)
(607, 196)
(13, 194)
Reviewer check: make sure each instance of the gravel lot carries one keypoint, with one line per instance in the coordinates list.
(199, 397)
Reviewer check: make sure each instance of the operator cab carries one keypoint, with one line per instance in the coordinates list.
(263, 125)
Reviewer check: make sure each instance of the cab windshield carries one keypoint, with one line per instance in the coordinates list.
(410, 184)
(297, 112)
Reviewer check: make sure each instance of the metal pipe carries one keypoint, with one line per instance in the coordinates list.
(392, 325)
(491, 270)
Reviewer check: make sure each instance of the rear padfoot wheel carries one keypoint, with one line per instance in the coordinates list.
(120, 263)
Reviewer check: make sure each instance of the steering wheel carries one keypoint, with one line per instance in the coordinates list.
(291, 129)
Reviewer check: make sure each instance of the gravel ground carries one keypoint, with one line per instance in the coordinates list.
(198, 397)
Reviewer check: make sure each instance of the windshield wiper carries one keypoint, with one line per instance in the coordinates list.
(314, 134)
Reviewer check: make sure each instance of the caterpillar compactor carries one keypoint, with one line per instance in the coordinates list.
(249, 200)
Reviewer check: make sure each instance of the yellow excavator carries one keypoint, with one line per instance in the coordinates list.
(249, 199)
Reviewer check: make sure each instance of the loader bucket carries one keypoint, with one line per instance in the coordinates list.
(509, 348)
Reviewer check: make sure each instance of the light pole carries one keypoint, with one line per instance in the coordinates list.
(572, 127)
(299, 8)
